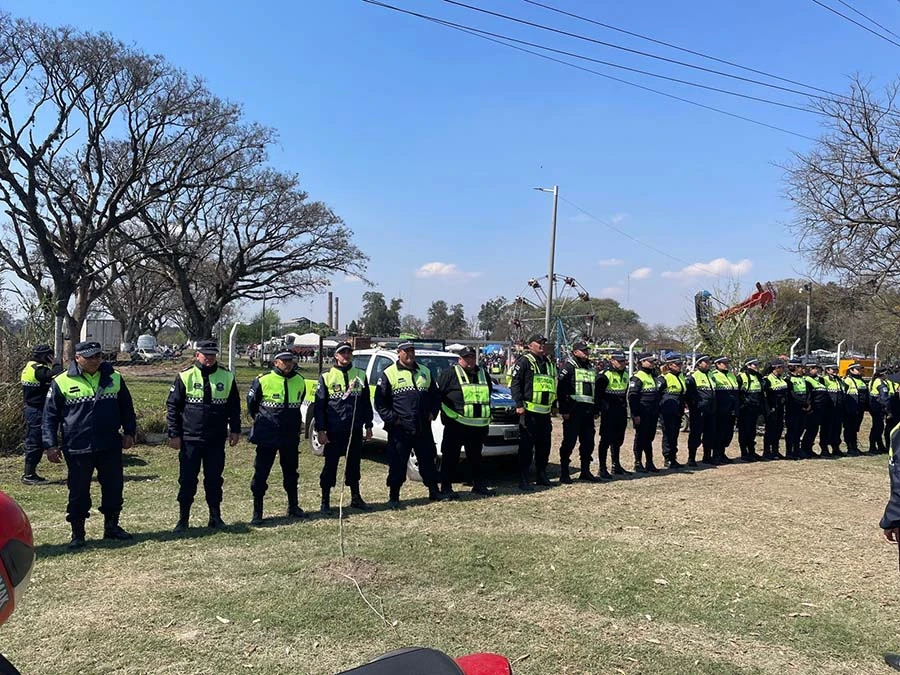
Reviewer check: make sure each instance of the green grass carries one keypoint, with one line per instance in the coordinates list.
(764, 568)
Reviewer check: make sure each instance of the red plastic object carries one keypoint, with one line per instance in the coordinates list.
(484, 664)
(16, 555)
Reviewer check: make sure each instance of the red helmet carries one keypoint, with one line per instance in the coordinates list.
(16, 555)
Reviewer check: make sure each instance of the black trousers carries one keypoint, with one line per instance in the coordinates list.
(671, 427)
(747, 418)
(400, 444)
(876, 433)
(774, 429)
(644, 433)
(853, 416)
(458, 436)
(288, 457)
(724, 432)
(834, 429)
(613, 422)
(578, 428)
(334, 450)
(889, 423)
(193, 455)
(33, 444)
(534, 442)
(81, 466)
(826, 427)
(795, 419)
(811, 425)
(702, 432)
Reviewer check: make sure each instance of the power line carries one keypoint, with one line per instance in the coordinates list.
(683, 49)
(868, 18)
(854, 21)
(477, 33)
(638, 52)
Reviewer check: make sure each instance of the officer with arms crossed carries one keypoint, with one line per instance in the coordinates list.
(36, 377)
(273, 402)
(91, 403)
(407, 400)
(203, 404)
(576, 406)
(533, 388)
(343, 406)
(465, 391)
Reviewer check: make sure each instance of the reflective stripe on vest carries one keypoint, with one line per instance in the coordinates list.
(675, 383)
(476, 400)
(406, 380)
(702, 380)
(334, 382)
(83, 387)
(543, 387)
(584, 384)
(775, 382)
(751, 384)
(272, 387)
(220, 382)
(28, 379)
(725, 380)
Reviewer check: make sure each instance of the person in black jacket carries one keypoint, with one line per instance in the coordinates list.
(701, 401)
(856, 402)
(796, 408)
(643, 401)
(465, 392)
(202, 406)
(35, 379)
(407, 401)
(750, 407)
(672, 385)
(820, 403)
(273, 402)
(775, 393)
(342, 408)
(533, 388)
(612, 405)
(575, 392)
(90, 402)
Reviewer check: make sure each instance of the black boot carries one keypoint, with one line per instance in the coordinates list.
(325, 507)
(293, 509)
(525, 482)
(435, 495)
(394, 499)
(257, 518)
(618, 469)
(215, 518)
(77, 540)
(542, 478)
(586, 474)
(447, 492)
(564, 476)
(601, 459)
(184, 516)
(692, 458)
(112, 530)
(638, 466)
(479, 488)
(356, 500)
(31, 476)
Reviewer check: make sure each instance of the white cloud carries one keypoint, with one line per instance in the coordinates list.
(610, 262)
(350, 278)
(443, 270)
(717, 267)
(618, 218)
(610, 292)
(641, 273)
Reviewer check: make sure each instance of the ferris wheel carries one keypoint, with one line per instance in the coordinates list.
(528, 313)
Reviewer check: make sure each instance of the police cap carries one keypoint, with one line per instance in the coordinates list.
(343, 346)
(854, 366)
(88, 349)
(618, 357)
(42, 350)
(466, 352)
(537, 337)
(776, 364)
(405, 346)
(703, 357)
(830, 366)
(722, 359)
(751, 362)
(673, 359)
(284, 356)
(208, 347)
(580, 346)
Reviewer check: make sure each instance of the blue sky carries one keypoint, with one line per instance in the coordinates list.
(428, 141)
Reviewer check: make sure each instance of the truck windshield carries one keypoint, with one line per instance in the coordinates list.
(436, 364)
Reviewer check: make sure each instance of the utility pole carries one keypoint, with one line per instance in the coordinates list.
(808, 288)
(549, 307)
(262, 328)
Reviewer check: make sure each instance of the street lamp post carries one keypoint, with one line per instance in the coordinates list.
(808, 289)
(549, 305)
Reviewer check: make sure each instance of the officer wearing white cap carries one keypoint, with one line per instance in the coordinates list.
(202, 407)
(643, 401)
(90, 402)
(575, 392)
(273, 402)
(775, 392)
(833, 421)
(701, 402)
(612, 406)
(726, 408)
(856, 401)
(465, 391)
(750, 407)
(407, 400)
(533, 388)
(342, 409)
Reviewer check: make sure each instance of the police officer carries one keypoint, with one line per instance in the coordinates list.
(726, 408)
(701, 401)
(856, 402)
(671, 408)
(273, 402)
(342, 409)
(576, 407)
(91, 403)
(830, 435)
(643, 401)
(465, 392)
(36, 377)
(533, 388)
(407, 400)
(202, 406)
(611, 404)
(775, 391)
(820, 405)
(880, 393)
(750, 401)
(798, 404)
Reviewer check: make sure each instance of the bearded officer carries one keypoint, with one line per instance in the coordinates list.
(575, 391)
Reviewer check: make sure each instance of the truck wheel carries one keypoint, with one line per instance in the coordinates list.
(317, 448)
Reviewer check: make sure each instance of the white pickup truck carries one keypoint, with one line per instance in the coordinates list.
(503, 433)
